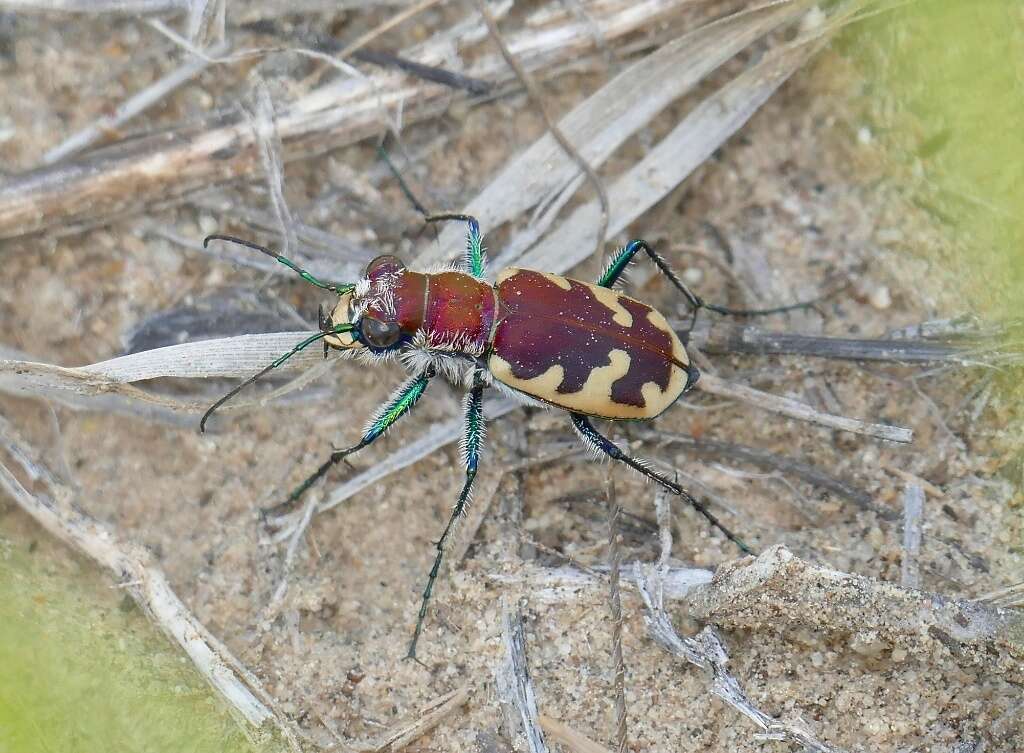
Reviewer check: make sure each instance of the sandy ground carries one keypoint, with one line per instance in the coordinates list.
(796, 195)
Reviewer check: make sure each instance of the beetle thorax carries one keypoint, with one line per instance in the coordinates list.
(459, 313)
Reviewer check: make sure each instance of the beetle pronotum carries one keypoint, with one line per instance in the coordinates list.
(539, 337)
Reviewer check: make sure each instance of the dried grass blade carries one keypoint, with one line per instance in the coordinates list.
(130, 175)
(225, 357)
(600, 124)
(691, 142)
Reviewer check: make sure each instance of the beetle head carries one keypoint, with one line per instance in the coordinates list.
(370, 307)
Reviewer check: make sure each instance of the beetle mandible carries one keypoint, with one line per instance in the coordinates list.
(544, 339)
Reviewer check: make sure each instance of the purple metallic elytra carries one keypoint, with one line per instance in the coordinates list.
(617, 357)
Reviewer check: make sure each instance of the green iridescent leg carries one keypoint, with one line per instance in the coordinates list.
(400, 404)
(340, 289)
(476, 254)
(625, 255)
(471, 441)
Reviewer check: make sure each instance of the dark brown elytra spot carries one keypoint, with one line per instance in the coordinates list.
(545, 325)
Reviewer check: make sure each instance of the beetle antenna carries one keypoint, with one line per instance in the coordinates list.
(409, 195)
(336, 330)
(339, 289)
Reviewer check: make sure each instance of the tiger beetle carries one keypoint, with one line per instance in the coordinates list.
(538, 337)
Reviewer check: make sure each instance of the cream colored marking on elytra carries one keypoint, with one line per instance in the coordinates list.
(561, 282)
(541, 385)
(678, 351)
(595, 396)
(505, 274)
(597, 390)
(613, 301)
(656, 400)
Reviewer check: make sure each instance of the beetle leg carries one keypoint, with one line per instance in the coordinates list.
(625, 255)
(400, 404)
(476, 254)
(600, 443)
(471, 442)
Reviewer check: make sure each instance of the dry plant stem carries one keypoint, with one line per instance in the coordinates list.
(574, 741)
(332, 248)
(277, 600)
(428, 719)
(252, 53)
(133, 567)
(913, 507)
(615, 604)
(718, 336)
(514, 686)
(130, 108)
(206, 21)
(600, 125)
(707, 652)
(670, 161)
(260, 115)
(929, 488)
(391, 23)
(129, 176)
(566, 584)
(795, 409)
(207, 358)
(119, 7)
(1011, 596)
(538, 101)
(779, 590)
(711, 448)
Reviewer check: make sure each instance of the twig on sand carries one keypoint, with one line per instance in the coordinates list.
(712, 448)
(635, 96)
(97, 7)
(717, 336)
(134, 174)
(428, 718)
(133, 566)
(707, 651)
(277, 600)
(575, 741)
(795, 409)
(913, 506)
(514, 686)
(131, 107)
(615, 599)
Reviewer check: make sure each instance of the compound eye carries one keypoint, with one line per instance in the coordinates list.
(378, 334)
(384, 264)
